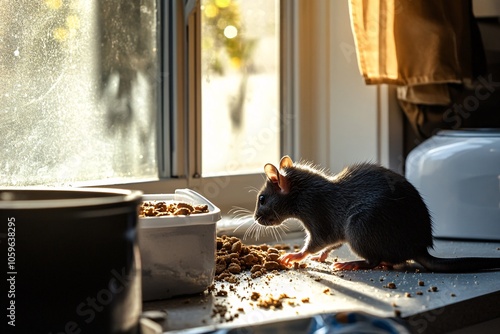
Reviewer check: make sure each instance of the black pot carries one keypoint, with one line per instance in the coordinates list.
(71, 260)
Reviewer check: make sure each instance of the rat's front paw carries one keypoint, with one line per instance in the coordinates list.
(321, 257)
(288, 258)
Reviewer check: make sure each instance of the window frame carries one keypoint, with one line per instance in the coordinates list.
(179, 117)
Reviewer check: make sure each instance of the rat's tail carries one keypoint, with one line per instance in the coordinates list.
(459, 264)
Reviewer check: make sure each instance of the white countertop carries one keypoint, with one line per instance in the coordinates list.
(460, 300)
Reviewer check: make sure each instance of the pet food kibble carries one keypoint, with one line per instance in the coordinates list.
(234, 268)
(161, 208)
(219, 268)
(271, 265)
(187, 206)
(256, 274)
(270, 302)
(273, 257)
(255, 268)
(201, 207)
(273, 250)
(236, 247)
(222, 293)
(182, 212)
(237, 258)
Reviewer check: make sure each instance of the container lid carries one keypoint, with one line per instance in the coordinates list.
(181, 195)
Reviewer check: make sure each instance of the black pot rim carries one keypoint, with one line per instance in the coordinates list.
(56, 197)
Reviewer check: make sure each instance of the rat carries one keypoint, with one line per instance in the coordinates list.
(376, 211)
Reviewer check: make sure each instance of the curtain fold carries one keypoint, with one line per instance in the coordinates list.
(426, 48)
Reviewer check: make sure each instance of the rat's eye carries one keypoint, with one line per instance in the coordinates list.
(262, 199)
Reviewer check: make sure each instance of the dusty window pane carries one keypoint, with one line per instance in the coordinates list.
(240, 85)
(77, 91)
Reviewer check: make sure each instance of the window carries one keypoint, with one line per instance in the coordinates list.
(132, 95)
(78, 96)
(110, 93)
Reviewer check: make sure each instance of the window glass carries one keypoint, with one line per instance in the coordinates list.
(240, 85)
(78, 95)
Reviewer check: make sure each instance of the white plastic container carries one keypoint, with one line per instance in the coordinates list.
(178, 252)
(458, 174)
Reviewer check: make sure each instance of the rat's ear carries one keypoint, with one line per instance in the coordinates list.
(272, 173)
(277, 178)
(286, 161)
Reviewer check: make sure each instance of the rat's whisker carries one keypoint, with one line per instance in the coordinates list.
(263, 231)
(242, 221)
(251, 232)
(274, 233)
(260, 231)
(257, 230)
(279, 231)
(247, 232)
(277, 215)
(269, 231)
(252, 189)
(284, 227)
(245, 235)
(241, 216)
(239, 209)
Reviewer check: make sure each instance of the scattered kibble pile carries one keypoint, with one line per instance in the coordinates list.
(240, 265)
(233, 257)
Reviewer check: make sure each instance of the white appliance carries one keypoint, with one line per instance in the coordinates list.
(458, 174)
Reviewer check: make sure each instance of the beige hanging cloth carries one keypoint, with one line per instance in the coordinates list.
(421, 46)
